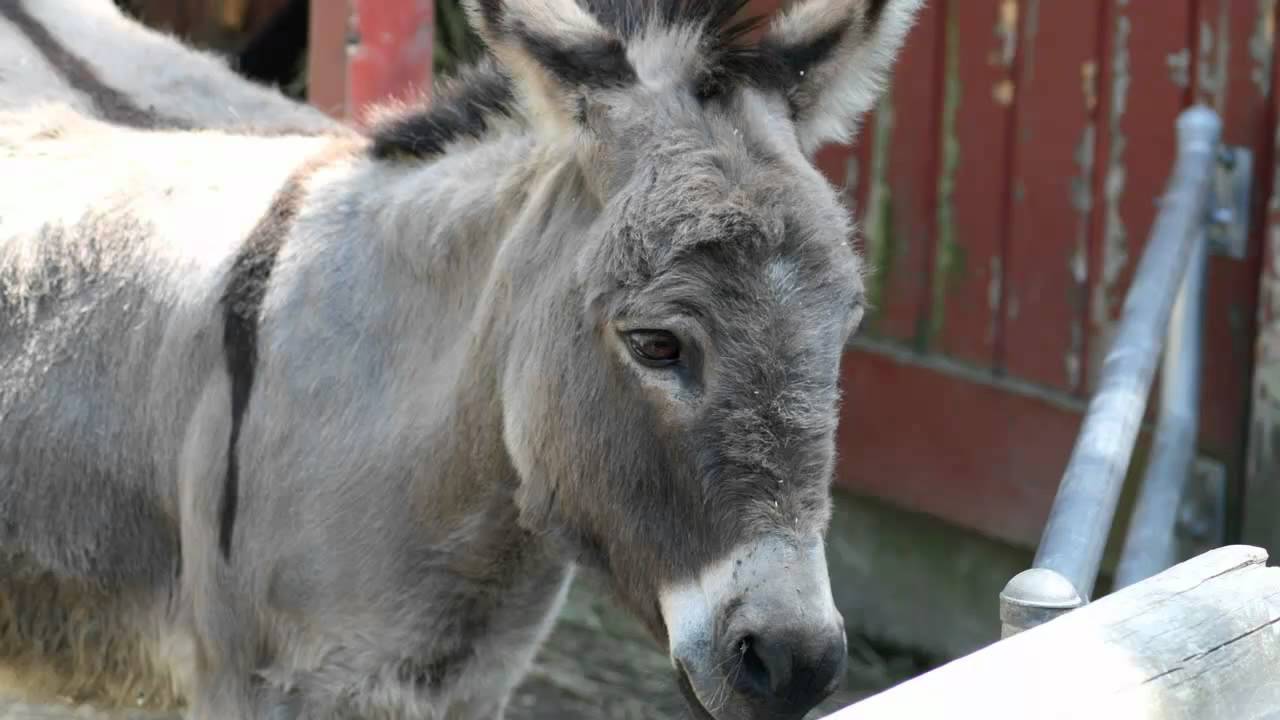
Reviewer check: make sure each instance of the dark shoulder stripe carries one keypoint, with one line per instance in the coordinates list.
(112, 105)
(241, 303)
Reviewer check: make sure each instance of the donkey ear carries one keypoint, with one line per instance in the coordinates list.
(839, 53)
(556, 51)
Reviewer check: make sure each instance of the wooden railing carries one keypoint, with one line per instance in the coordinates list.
(1199, 640)
(1163, 309)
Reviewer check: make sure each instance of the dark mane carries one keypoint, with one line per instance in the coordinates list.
(466, 105)
(462, 107)
(733, 59)
(629, 18)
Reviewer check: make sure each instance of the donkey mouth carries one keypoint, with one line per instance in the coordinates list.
(697, 711)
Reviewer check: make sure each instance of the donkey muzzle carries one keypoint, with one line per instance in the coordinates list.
(757, 635)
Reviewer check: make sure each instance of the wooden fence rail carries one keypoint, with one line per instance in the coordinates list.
(1199, 641)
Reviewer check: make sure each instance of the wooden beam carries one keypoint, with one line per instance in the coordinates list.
(365, 52)
(1200, 641)
(936, 437)
(1262, 468)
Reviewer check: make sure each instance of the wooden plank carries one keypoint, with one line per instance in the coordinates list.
(974, 176)
(392, 59)
(327, 57)
(1053, 170)
(941, 438)
(899, 220)
(1200, 641)
(1262, 467)
(1236, 48)
(1145, 83)
(368, 51)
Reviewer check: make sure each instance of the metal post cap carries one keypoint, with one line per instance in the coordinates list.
(1034, 597)
(1041, 588)
(1199, 124)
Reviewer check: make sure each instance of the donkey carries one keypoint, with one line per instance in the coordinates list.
(90, 55)
(322, 425)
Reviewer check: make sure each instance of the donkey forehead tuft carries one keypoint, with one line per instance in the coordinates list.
(670, 219)
(728, 54)
(629, 18)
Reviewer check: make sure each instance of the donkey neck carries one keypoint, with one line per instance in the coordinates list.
(452, 242)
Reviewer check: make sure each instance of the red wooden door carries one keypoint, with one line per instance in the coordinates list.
(1005, 188)
(366, 51)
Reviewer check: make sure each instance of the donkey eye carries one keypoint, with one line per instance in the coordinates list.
(655, 348)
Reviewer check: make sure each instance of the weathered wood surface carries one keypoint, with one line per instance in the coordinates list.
(1005, 188)
(1200, 641)
(1262, 483)
(368, 51)
(598, 664)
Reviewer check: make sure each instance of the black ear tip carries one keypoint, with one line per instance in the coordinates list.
(597, 63)
(804, 56)
(875, 8)
(483, 94)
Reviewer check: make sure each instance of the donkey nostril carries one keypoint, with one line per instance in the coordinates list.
(754, 672)
(766, 669)
(786, 671)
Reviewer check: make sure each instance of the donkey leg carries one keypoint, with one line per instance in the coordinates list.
(227, 683)
(220, 697)
(228, 696)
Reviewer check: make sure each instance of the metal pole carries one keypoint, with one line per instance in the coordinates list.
(1149, 546)
(1070, 551)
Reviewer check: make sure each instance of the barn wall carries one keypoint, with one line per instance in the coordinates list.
(1263, 462)
(365, 51)
(1005, 188)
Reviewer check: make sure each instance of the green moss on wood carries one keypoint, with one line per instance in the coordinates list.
(878, 223)
(949, 259)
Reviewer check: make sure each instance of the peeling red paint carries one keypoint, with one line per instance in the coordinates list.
(977, 451)
(390, 55)
(368, 51)
(1233, 284)
(1064, 141)
(1262, 466)
(976, 143)
(1056, 129)
(902, 214)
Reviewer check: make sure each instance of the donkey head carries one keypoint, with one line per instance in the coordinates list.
(688, 285)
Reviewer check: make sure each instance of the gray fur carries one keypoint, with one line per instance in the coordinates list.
(160, 81)
(445, 420)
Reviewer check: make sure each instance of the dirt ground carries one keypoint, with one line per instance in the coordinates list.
(598, 664)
